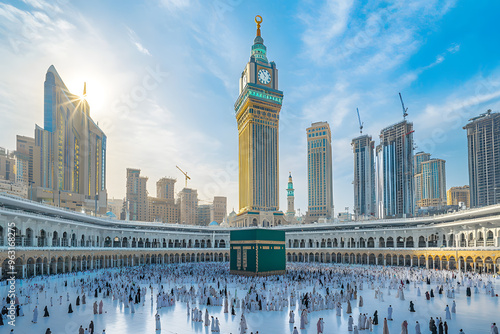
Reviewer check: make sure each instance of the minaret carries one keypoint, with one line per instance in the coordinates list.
(290, 197)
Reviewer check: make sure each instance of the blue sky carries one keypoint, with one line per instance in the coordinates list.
(162, 78)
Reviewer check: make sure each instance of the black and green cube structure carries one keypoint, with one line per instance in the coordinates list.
(257, 252)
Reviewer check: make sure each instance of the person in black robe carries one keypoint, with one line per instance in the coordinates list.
(78, 301)
(1, 320)
(208, 300)
(260, 305)
(91, 327)
(70, 309)
(469, 292)
(432, 293)
(4, 310)
(431, 323)
(18, 310)
(412, 307)
(375, 318)
(48, 331)
(45, 312)
(445, 328)
(232, 310)
(95, 294)
(441, 329)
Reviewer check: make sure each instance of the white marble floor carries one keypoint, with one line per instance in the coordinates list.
(474, 315)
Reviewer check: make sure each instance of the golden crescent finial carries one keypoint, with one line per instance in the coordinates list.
(258, 23)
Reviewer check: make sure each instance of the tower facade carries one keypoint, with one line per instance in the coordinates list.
(72, 150)
(257, 112)
(290, 197)
(319, 170)
(434, 183)
(418, 159)
(483, 139)
(456, 195)
(165, 188)
(188, 204)
(395, 171)
(219, 209)
(364, 176)
(137, 196)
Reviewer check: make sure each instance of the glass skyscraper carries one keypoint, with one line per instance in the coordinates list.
(320, 172)
(395, 171)
(364, 176)
(483, 139)
(72, 149)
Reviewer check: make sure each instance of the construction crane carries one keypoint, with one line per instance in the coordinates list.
(405, 110)
(185, 174)
(360, 124)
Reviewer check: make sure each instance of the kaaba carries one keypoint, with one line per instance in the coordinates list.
(257, 252)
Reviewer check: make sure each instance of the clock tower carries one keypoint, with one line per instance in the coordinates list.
(257, 114)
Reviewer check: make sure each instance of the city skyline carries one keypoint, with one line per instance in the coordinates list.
(170, 125)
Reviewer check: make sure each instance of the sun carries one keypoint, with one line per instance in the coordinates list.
(95, 92)
(95, 95)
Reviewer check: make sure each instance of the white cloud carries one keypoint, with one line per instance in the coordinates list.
(135, 41)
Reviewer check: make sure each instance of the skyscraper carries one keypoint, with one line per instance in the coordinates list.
(290, 197)
(28, 161)
(483, 138)
(188, 203)
(433, 183)
(165, 188)
(395, 171)
(319, 170)
(219, 209)
(72, 150)
(257, 113)
(364, 176)
(7, 165)
(456, 195)
(418, 176)
(203, 213)
(137, 195)
(163, 207)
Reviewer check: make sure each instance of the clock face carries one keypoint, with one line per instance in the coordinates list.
(264, 76)
(244, 80)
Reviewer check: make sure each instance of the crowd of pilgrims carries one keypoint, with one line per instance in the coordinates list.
(312, 287)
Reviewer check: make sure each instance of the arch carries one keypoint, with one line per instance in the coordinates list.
(390, 242)
(42, 238)
(381, 242)
(490, 240)
(107, 242)
(421, 242)
(400, 242)
(409, 242)
(362, 243)
(55, 239)
(371, 242)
